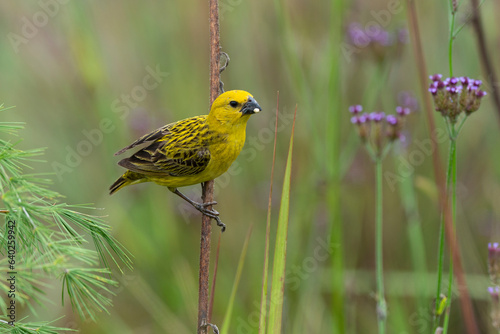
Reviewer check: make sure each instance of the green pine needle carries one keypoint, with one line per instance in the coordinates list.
(32, 328)
(85, 288)
(51, 241)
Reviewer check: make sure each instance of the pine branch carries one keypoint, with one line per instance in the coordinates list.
(50, 242)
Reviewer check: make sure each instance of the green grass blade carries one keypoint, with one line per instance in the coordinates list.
(263, 302)
(415, 237)
(333, 145)
(278, 279)
(239, 270)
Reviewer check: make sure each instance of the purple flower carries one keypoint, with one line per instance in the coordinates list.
(403, 36)
(357, 35)
(493, 248)
(453, 81)
(391, 119)
(382, 37)
(464, 81)
(408, 100)
(470, 88)
(359, 119)
(435, 77)
(494, 293)
(377, 130)
(494, 262)
(356, 109)
(377, 116)
(402, 139)
(402, 111)
(480, 93)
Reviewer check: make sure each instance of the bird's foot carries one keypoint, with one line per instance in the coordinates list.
(208, 204)
(214, 214)
(202, 207)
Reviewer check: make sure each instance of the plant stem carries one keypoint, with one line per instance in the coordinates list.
(208, 187)
(451, 182)
(487, 65)
(439, 271)
(465, 302)
(214, 280)
(451, 38)
(381, 304)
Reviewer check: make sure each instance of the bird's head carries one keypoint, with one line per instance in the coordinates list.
(233, 107)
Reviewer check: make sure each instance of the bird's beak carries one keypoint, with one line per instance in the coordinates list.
(250, 107)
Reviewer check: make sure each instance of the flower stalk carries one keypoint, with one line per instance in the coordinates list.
(379, 241)
(377, 132)
(455, 99)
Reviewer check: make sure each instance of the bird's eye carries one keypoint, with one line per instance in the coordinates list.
(233, 104)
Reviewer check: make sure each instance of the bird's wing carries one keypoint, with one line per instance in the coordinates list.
(156, 134)
(182, 151)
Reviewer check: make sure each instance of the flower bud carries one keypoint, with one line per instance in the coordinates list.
(494, 262)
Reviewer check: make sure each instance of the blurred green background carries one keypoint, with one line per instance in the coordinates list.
(79, 74)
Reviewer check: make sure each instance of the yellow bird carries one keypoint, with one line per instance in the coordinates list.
(193, 150)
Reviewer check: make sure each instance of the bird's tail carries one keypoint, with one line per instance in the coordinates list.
(124, 180)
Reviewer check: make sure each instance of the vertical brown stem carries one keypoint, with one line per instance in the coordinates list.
(208, 187)
(214, 280)
(483, 52)
(465, 302)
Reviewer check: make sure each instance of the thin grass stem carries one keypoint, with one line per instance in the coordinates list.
(451, 38)
(265, 274)
(451, 182)
(381, 304)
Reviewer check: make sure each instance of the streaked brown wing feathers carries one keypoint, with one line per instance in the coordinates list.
(178, 151)
(155, 135)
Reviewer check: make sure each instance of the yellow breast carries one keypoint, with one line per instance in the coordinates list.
(224, 147)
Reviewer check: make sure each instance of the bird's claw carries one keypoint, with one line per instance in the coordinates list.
(220, 224)
(214, 214)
